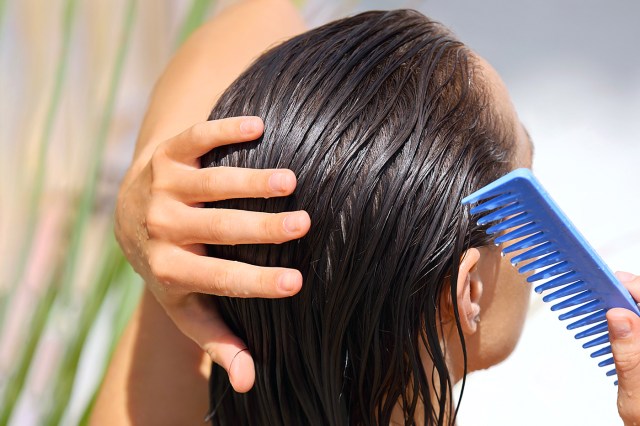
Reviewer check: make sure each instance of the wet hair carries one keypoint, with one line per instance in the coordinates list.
(387, 124)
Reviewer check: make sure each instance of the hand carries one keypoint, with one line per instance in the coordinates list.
(162, 230)
(624, 332)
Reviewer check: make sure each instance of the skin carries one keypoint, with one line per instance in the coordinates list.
(490, 289)
(163, 359)
(624, 333)
(492, 298)
(165, 185)
(159, 375)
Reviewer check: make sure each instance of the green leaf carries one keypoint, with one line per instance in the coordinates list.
(36, 190)
(113, 268)
(128, 298)
(114, 260)
(196, 17)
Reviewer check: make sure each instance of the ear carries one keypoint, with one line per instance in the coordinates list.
(469, 291)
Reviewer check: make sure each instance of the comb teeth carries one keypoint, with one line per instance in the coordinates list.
(504, 212)
(565, 291)
(512, 222)
(601, 340)
(550, 272)
(585, 296)
(494, 203)
(587, 308)
(606, 362)
(532, 253)
(597, 329)
(548, 260)
(530, 241)
(522, 216)
(523, 231)
(567, 278)
(593, 318)
(600, 352)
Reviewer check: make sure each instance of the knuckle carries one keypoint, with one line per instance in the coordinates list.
(158, 158)
(157, 220)
(259, 179)
(266, 282)
(200, 130)
(271, 229)
(159, 267)
(160, 186)
(628, 364)
(210, 184)
(216, 228)
(223, 284)
(157, 167)
(227, 127)
(160, 182)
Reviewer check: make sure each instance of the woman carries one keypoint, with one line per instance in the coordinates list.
(388, 122)
(149, 330)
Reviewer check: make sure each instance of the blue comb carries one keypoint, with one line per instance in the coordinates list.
(560, 256)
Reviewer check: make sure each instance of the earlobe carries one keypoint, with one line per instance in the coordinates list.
(469, 291)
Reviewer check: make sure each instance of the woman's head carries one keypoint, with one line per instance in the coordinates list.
(388, 122)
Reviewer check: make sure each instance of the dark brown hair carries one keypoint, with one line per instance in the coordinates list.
(387, 125)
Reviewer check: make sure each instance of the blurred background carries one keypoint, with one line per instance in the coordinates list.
(75, 78)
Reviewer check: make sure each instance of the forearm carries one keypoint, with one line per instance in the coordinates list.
(157, 375)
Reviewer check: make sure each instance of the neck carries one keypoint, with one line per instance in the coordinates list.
(455, 366)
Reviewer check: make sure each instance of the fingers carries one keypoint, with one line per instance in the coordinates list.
(227, 227)
(631, 282)
(182, 271)
(624, 332)
(199, 319)
(203, 137)
(223, 183)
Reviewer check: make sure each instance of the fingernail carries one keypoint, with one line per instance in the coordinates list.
(620, 329)
(293, 223)
(280, 182)
(250, 126)
(288, 282)
(625, 277)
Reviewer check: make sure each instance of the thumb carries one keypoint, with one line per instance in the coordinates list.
(200, 320)
(624, 334)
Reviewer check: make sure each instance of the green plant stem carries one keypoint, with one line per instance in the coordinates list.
(195, 17)
(113, 267)
(64, 381)
(3, 8)
(37, 188)
(19, 376)
(87, 199)
(127, 301)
